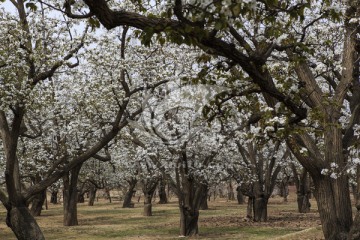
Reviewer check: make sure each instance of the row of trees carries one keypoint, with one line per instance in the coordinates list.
(222, 88)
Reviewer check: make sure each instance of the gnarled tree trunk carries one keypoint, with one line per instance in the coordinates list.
(37, 203)
(189, 221)
(54, 197)
(260, 208)
(71, 196)
(149, 187)
(162, 192)
(92, 195)
(23, 224)
(129, 194)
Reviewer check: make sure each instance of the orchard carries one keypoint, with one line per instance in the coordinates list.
(180, 97)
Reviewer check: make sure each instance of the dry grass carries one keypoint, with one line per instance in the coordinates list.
(224, 220)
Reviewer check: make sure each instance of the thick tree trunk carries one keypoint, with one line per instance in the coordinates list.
(149, 188)
(303, 203)
(54, 197)
(80, 197)
(37, 203)
(147, 208)
(23, 224)
(334, 207)
(148, 203)
(204, 200)
(249, 208)
(92, 195)
(355, 228)
(162, 192)
(188, 222)
(71, 197)
(129, 194)
(303, 193)
(260, 208)
(231, 195)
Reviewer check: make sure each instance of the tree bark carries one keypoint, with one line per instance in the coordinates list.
(240, 196)
(354, 233)
(260, 208)
(231, 195)
(23, 224)
(189, 222)
(92, 195)
(204, 200)
(335, 225)
(162, 192)
(249, 208)
(54, 197)
(37, 203)
(71, 197)
(129, 194)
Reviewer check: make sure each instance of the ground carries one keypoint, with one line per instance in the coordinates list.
(224, 220)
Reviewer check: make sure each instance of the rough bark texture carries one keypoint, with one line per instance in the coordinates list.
(162, 192)
(23, 224)
(249, 208)
(37, 203)
(355, 229)
(231, 195)
(302, 183)
(92, 195)
(189, 222)
(239, 196)
(260, 208)
(129, 194)
(54, 197)
(71, 197)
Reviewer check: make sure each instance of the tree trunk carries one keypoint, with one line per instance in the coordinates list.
(303, 193)
(284, 189)
(189, 222)
(231, 195)
(147, 207)
(249, 208)
(129, 194)
(23, 224)
(108, 195)
(162, 192)
(303, 203)
(71, 197)
(54, 197)
(148, 203)
(80, 197)
(204, 201)
(92, 195)
(239, 195)
(260, 208)
(37, 203)
(355, 228)
(149, 188)
(332, 197)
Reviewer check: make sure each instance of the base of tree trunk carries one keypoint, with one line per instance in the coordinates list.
(189, 222)
(147, 209)
(260, 209)
(37, 204)
(23, 224)
(303, 204)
